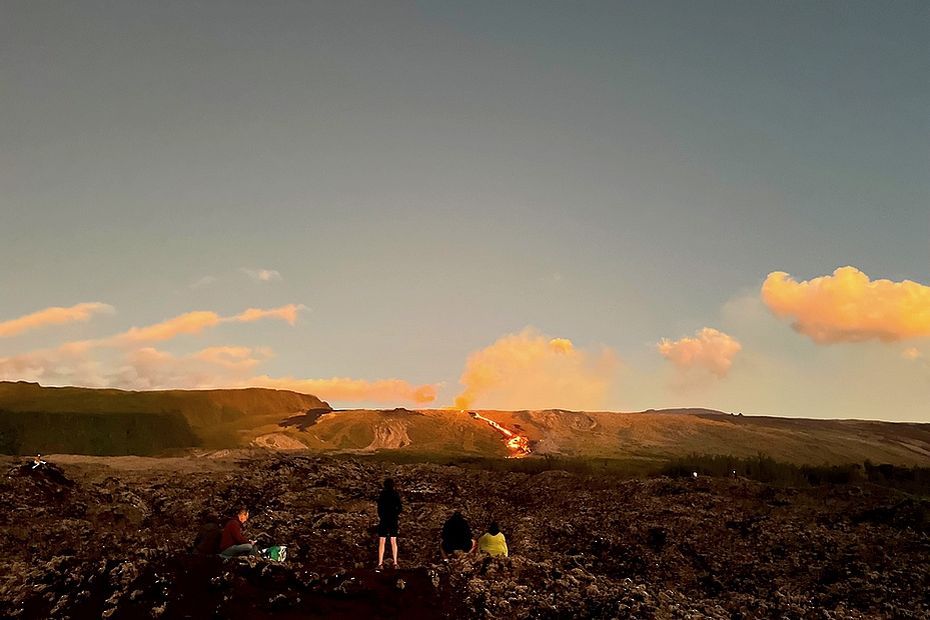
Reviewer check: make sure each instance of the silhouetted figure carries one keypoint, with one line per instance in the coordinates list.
(389, 509)
(232, 542)
(493, 541)
(456, 535)
(208, 539)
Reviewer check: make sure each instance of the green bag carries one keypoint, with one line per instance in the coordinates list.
(278, 553)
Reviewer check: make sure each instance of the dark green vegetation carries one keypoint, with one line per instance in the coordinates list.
(31, 432)
(914, 479)
(114, 422)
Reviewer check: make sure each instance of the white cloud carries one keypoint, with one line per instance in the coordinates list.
(202, 282)
(262, 275)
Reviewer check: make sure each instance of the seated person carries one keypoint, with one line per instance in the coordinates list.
(456, 535)
(232, 542)
(493, 542)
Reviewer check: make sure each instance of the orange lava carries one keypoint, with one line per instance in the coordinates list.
(518, 445)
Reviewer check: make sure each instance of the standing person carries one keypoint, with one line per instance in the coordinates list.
(493, 541)
(389, 509)
(232, 542)
(456, 536)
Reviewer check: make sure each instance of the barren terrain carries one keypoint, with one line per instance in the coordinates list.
(111, 537)
(157, 423)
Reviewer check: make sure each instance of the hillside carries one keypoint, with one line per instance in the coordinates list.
(647, 435)
(34, 418)
(113, 422)
(367, 430)
(679, 432)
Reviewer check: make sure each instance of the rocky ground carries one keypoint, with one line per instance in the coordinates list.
(115, 542)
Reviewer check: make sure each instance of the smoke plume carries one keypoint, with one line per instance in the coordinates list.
(531, 371)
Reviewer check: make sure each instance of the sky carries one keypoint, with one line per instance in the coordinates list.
(592, 205)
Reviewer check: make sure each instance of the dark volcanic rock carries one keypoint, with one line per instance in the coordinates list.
(305, 420)
(92, 542)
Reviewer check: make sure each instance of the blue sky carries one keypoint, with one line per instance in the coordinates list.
(429, 177)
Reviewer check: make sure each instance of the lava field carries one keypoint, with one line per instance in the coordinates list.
(102, 539)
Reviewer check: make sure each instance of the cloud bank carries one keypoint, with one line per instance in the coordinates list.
(530, 370)
(849, 307)
(129, 360)
(385, 391)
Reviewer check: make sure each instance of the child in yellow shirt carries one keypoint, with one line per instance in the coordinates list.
(493, 541)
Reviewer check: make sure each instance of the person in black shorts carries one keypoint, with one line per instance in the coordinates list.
(456, 536)
(389, 508)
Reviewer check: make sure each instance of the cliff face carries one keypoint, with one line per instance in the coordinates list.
(22, 396)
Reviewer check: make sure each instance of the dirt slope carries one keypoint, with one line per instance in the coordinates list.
(680, 432)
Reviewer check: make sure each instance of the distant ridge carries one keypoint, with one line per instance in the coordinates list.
(690, 411)
(115, 422)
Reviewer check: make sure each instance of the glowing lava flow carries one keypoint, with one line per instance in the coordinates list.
(518, 445)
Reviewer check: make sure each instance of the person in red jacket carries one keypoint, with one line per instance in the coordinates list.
(232, 542)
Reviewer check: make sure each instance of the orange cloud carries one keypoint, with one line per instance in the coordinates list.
(233, 357)
(285, 313)
(134, 368)
(194, 323)
(214, 367)
(53, 316)
(710, 349)
(187, 323)
(849, 307)
(147, 368)
(61, 366)
(127, 360)
(529, 370)
(352, 390)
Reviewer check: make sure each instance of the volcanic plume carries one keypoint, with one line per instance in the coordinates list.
(531, 371)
